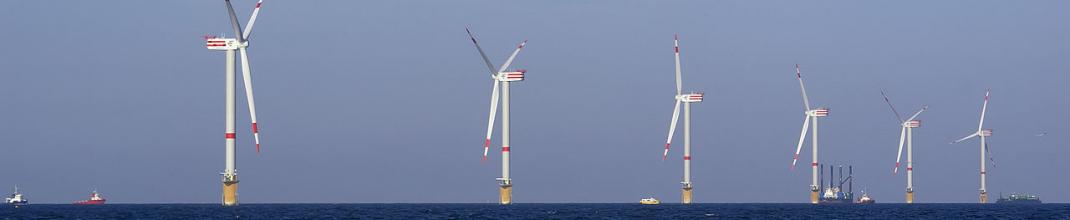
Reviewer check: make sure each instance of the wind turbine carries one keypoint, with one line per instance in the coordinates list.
(810, 123)
(686, 99)
(240, 43)
(906, 135)
(983, 133)
(502, 79)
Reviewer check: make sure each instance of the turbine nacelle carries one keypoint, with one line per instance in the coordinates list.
(690, 98)
(513, 76)
(818, 112)
(985, 133)
(224, 44)
(912, 124)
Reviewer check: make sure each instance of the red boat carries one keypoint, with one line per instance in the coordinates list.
(94, 199)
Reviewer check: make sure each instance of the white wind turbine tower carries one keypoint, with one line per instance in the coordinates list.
(983, 133)
(906, 134)
(240, 43)
(502, 79)
(812, 114)
(687, 99)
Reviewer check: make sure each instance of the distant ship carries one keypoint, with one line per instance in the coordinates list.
(866, 199)
(649, 201)
(834, 193)
(94, 199)
(16, 199)
(1019, 199)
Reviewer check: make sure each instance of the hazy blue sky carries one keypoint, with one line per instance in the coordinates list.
(386, 101)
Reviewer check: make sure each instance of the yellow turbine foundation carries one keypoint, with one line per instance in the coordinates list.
(686, 197)
(230, 193)
(910, 197)
(984, 197)
(506, 194)
(813, 196)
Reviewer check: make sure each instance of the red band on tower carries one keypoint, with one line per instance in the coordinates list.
(505, 149)
(687, 157)
(230, 135)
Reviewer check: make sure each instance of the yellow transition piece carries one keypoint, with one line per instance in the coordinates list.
(230, 193)
(506, 193)
(686, 197)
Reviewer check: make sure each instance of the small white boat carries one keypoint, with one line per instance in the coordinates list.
(16, 198)
(649, 201)
(866, 199)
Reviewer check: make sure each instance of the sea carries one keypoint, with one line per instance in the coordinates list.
(539, 211)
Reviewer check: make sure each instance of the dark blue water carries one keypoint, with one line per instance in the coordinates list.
(539, 211)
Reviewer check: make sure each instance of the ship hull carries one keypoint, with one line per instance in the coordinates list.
(90, 202)
(835, 201)
(1018, 202)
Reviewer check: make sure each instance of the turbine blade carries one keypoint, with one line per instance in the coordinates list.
(802, 137)
(899, 154)
(513, 56)
(234, 21)
(915, 115)
(984, 107)
(891, 106)
(672, 128)
(966, 138)
(679, 81)
(806, 99)
(493, 114)
(486, 60)
(247, 77)
(990, 157)
(252, 20)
